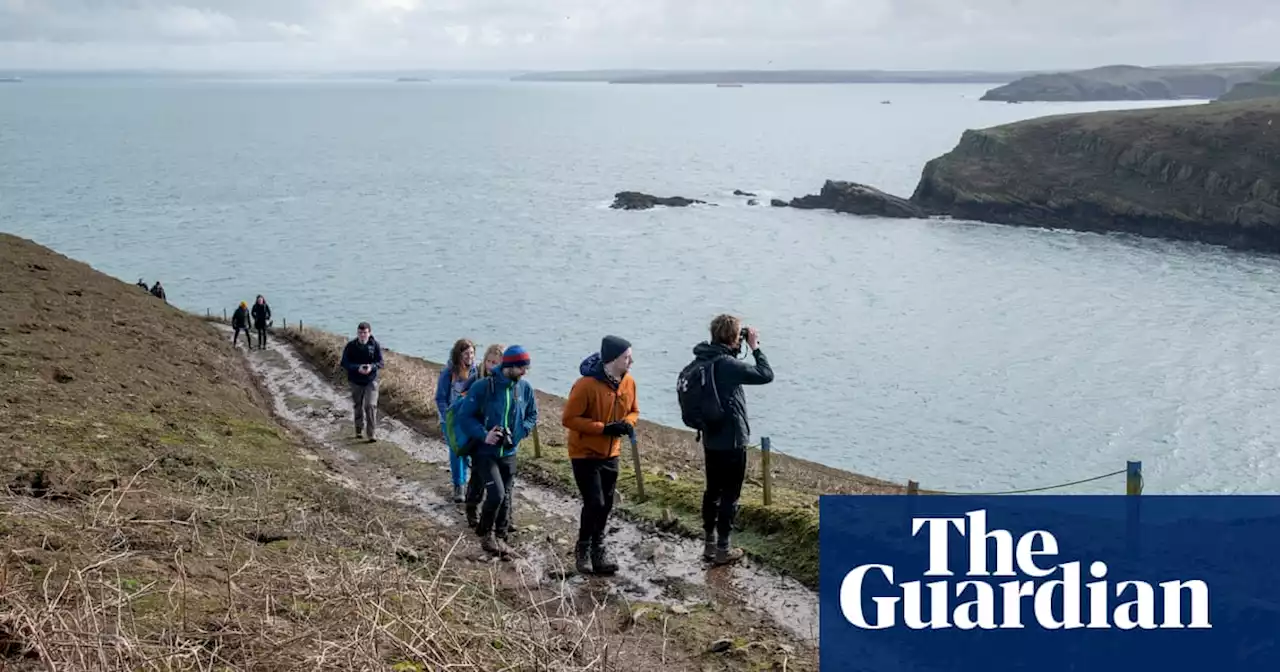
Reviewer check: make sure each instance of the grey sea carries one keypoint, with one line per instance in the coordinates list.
(968, 357)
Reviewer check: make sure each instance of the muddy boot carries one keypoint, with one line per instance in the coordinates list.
(601, 561)
(727, 556)
(582, 557)
(473, 516)
(709, 547)
(458, 496)
(491, 544)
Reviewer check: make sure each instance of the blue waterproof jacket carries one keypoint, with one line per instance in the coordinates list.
(498, 401)
(448, 391)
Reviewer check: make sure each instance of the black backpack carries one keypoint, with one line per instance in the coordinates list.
(700, 406)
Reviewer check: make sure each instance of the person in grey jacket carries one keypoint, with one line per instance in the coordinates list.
(725, 444)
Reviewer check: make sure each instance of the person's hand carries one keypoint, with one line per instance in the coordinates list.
(753, 338)
(617, 428)
(493, 436)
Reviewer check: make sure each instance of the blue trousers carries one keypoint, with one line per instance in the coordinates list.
(458, 469)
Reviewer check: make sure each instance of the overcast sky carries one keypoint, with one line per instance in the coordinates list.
(580, 34)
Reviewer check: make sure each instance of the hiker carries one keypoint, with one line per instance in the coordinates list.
(142, 283)
(724, 442)
(452, 383)
(499, 411)
(362, 358)
(601, 408)
(261, 318)
(240, 322)
(478, 482)
(157, 290)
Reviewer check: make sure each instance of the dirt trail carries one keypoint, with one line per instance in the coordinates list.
(654, 566)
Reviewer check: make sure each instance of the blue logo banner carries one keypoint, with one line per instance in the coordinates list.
(1049, 583)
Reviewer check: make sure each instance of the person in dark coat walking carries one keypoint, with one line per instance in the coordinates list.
(362, 359)
(261, 318)
(157, 290)
(240, 322)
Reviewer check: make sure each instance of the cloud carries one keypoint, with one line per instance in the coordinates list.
(1009, 34)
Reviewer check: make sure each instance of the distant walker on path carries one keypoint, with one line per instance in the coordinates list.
(362, 359)
(240, 322)
(261, 318)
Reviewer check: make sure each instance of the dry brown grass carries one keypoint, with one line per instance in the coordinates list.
(153, 516)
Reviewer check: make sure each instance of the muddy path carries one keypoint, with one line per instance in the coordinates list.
(654, 566)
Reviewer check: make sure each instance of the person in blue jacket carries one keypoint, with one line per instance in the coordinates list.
(452, 384)
(362, 359)
(499, 412)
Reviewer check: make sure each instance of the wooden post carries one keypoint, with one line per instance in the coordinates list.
(1133, 510)
(913, 488)
(224, 314)
(299, 326)
(537, 444)
(635, 458)
(766, 450)
(207, 313)
(1133, 478)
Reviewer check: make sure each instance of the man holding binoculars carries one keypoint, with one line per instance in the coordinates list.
(724, 438)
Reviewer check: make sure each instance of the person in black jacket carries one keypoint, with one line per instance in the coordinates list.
(725, 444)
(240, 322)
(261, 318)
(362, 359)
(157, 290)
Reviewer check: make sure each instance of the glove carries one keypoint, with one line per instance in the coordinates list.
(617, 428)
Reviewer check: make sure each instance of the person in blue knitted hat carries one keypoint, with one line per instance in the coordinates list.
(499, 412)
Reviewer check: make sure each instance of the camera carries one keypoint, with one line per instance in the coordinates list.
(504, 439)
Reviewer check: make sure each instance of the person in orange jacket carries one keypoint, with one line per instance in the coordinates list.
(600, 410)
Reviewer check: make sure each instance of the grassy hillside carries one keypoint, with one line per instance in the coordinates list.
(1266, 87)
(1128, 82)
(157, 518)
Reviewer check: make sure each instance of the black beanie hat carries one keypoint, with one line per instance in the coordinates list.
(612, 348)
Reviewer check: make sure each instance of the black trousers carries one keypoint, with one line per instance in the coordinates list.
(500, 474)
(262, 335)
(726, 469)
(235, 338)
(597, 480)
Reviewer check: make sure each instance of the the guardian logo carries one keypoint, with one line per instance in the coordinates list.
(1053, 602)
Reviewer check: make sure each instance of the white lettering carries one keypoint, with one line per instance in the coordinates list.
(1098, 596)
(1027, 552)
(851, 598)
(1173, 604)
(937, 542)
(1070, 585)
(913, 609)
(1146, 616)
(978, 537)
(983, 604)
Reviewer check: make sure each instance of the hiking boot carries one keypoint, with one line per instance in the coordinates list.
(473, 517)
(582, 557)
(359, 434)
(727, 556)
(491, 544)
(709, 548)
(458, 496)
(601, 561)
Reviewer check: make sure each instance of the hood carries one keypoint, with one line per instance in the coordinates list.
(705, 350)
(593, 366)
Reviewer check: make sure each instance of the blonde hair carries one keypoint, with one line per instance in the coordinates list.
(495, 349)
(725, 329)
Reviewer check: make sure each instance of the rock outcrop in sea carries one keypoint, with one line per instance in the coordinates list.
(1207, 173)
(635, 200)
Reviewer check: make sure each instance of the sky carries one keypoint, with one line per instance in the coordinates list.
(328, 35)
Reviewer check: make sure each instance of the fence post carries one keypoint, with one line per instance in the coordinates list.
(913, 488)
(207, 314)
(1133, 478)
(537, 444)
(766, 450)
(224, 314)
(635, 458)
(299, 326)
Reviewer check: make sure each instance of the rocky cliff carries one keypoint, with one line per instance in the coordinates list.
(1266, 87)
(1208, 173)
(1126, 82)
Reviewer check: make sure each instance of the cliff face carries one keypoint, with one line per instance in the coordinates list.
(1266, 87)
(1123, 82)
(1208, 173)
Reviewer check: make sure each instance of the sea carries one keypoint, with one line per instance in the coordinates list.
(965, 356)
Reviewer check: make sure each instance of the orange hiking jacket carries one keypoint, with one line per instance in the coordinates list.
(592, 404)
